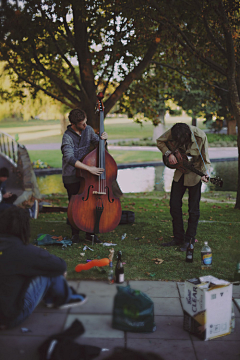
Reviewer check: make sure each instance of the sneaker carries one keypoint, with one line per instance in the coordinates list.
(75, 238)
(89, 238)
(75, 300)
(34, 210)
(173, 242)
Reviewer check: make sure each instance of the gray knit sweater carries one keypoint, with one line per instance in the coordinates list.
(73, 148)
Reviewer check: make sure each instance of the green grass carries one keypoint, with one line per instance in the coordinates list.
(54, 157)
(51, 157)
(151, 228)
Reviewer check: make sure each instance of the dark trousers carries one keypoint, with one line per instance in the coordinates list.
(194, 196)
(72, 189)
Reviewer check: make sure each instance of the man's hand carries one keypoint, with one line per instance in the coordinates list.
(95, 170)
(205, 178)
(104, 136)
(172, 159)
(7, 195)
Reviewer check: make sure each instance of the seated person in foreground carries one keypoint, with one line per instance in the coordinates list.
(28, 274)
(7, 198)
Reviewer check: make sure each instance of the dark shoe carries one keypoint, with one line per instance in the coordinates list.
(75, 300)
(75, 239)
(96, 239)
(174, 242)
(184, 247)
(33, 211)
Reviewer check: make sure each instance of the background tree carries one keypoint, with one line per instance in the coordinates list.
(205, 32)
(41, 40)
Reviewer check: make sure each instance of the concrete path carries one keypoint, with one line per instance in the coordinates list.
(214, 152)
(169, 340)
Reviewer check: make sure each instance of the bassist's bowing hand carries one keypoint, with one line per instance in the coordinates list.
(205, 178)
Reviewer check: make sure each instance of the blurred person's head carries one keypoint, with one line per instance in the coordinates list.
(78, 119)
(16, 221)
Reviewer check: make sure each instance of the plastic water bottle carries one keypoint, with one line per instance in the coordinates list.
(232, 318)
(206, 256)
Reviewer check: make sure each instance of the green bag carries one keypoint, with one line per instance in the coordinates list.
(133, 311)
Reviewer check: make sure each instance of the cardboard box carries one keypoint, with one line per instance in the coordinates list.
(207, 307)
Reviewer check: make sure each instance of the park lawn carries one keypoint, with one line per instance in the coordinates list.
(219, 225)
(54, 157)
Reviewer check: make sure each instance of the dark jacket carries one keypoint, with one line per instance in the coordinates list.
(75, 147)
(19, 263)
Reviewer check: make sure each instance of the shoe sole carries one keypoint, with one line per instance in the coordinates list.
(67, 306)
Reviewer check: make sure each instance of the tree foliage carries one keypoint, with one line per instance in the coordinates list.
(42, 39)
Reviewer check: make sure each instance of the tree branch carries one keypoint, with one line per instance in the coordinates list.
(123, 86)
(34, 85)
(59, 82)
(212, 37)
(187, 75)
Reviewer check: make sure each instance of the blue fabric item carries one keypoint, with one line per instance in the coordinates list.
(54, 290)
(46, 239)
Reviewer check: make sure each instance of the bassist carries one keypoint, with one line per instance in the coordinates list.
(193, 142)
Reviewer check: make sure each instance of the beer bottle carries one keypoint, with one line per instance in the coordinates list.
(119, 270)
(189, 252)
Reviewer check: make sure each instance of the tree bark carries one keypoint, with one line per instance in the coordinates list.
(231, 127)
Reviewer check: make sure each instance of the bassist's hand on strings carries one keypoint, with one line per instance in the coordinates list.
(104, 135)
(95, 170)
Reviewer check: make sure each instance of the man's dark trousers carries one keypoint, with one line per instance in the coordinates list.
(194, 196)
(72, 189)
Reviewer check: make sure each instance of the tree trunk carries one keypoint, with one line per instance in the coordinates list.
(160, 128)
(231, 127)
(63, 121)
(194, 121)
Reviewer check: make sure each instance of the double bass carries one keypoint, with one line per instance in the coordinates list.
(95, 209)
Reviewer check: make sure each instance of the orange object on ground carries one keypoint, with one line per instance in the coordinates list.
(90, 264)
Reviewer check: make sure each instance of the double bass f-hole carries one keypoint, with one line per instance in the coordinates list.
(91, 186)
(108, 195)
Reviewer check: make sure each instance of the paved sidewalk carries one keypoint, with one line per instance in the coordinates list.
(169, 340)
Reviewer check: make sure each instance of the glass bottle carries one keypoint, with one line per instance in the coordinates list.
(237, 272)
(119, 270)
(189, 252)
(110, 273)
(206, 256)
